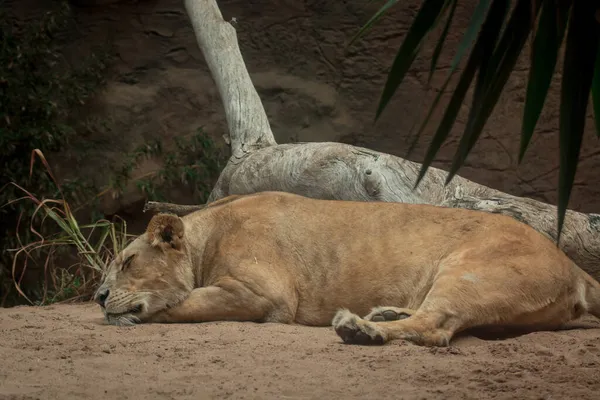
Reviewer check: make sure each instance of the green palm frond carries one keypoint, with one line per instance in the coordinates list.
(497, 33)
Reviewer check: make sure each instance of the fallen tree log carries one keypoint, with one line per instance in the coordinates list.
(344, 172)
(177, 209)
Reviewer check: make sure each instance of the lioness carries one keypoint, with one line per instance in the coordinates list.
(416, 272)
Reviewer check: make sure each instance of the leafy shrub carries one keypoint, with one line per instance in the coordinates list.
(42, 233)
(39, 92)
(195, 162)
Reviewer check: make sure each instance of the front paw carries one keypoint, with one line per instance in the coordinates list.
(354, 330)
(160, 317)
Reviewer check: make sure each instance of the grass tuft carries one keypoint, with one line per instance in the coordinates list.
(91, 247)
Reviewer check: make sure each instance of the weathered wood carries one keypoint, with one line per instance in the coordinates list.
(246, 117)
(340, 171)
(177, 209)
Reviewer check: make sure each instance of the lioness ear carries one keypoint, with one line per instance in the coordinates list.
(166, 229)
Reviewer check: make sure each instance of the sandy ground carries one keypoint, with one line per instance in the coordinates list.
(67, 352)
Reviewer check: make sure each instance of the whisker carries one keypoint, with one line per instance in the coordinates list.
(128, 320)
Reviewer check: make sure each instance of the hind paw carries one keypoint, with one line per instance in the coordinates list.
(354, 330)
(382, 314)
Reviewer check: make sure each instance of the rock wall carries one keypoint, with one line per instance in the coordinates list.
(313, 88)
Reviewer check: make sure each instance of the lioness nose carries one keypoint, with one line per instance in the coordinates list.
(101, 296)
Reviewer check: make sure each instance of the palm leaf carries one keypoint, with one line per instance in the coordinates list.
(442, 39)
(464, 46)
(546, 43)
(489, 29)
(373, 19)
(473, 29)
(493, 77)
(429, 12)
(493, 63)
(578, 72)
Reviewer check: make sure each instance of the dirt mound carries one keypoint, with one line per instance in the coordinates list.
(68, 352)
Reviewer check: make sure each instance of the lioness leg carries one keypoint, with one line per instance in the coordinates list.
(474, 297)
(229, 301)
(420, 328)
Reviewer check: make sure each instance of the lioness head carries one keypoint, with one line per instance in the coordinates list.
(153, 273)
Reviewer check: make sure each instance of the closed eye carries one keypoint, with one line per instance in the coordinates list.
(127, 262)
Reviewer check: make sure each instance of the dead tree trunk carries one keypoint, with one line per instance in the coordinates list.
(340, 171)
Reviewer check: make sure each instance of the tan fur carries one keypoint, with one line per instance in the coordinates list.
(415, 272)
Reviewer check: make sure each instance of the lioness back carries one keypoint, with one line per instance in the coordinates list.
(341, 252)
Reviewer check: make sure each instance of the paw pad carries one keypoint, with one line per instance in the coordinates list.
(388, 315)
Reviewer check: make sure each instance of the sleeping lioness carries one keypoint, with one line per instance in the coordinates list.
(416, 272)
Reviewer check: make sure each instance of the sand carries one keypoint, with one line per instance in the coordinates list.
(68, 352)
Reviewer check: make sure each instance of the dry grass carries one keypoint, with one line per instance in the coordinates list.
(90, 246)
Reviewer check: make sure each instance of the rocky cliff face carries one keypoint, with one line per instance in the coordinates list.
(313, 88)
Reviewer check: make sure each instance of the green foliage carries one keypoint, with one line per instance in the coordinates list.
(496, 38)
(39, 92)
(194, 162)
(43, 234)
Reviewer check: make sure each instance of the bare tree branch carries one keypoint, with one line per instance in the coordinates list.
(177, 209)
(248, 124)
